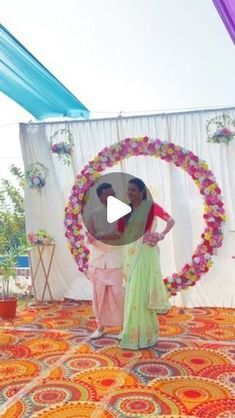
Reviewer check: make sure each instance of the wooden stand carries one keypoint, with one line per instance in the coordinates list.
(39, 249)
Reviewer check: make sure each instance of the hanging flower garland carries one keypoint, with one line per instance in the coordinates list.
(36, 176)
(61, 144)
(214, 215)
(221, 129)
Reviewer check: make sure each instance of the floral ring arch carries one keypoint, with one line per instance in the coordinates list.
(214, 214)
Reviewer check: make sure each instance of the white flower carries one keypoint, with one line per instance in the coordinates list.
(36, 180)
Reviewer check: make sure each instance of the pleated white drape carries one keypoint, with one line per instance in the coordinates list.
(171, 187)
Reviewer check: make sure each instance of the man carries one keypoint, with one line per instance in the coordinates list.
(105, 270)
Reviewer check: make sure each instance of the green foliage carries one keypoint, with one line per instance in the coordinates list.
(13, 239)
(12, 212)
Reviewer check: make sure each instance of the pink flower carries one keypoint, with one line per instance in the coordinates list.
(54, 147)
(226, 132)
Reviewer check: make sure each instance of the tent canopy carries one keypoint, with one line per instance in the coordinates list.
(25, 80)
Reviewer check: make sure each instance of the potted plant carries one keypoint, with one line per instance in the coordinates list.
(8, 265)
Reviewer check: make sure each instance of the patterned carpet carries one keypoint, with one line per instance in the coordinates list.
(48, 369)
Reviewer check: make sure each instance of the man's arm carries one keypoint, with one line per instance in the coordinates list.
(90, 224)
(91, 230)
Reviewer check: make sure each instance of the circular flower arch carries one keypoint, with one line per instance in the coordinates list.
(214, 214)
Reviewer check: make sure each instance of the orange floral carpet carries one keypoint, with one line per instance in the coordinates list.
(49, 369)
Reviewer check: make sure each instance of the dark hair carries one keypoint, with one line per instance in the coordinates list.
(101, 187)
(140, 185)
(142, 188)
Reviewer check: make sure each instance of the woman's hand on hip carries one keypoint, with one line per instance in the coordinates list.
(152, 238)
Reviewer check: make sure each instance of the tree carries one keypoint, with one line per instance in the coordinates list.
(12, 211)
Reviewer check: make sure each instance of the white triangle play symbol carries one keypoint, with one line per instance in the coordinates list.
(116, 209)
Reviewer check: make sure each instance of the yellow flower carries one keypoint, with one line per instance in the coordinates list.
(212, 187)
(224, 217)
(139, 139)
(204, 165)
(209, 263)
(76, 210)
(170, 151)
(95, 175)
(81, 180)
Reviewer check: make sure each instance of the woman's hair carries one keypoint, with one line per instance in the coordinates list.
(142, 188)
(140, 185)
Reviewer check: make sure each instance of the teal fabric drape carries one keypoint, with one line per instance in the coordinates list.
(25, 80)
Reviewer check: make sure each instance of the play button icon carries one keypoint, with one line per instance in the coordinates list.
(116, 209)
(107, 204)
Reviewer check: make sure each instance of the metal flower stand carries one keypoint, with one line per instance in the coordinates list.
(40, 266)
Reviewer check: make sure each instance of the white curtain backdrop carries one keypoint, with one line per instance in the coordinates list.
(171, 187)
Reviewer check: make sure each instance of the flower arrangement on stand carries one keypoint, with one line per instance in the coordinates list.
(214, 214)
(61, 144)
(36, 176)
(40, 238)
(221, 129)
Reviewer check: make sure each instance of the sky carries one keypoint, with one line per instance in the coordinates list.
(134, 56)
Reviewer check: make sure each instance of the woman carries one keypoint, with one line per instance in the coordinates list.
(145, 291)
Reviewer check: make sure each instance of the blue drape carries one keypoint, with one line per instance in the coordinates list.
(25, 80)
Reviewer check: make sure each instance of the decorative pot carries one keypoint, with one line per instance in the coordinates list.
(8, 308)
